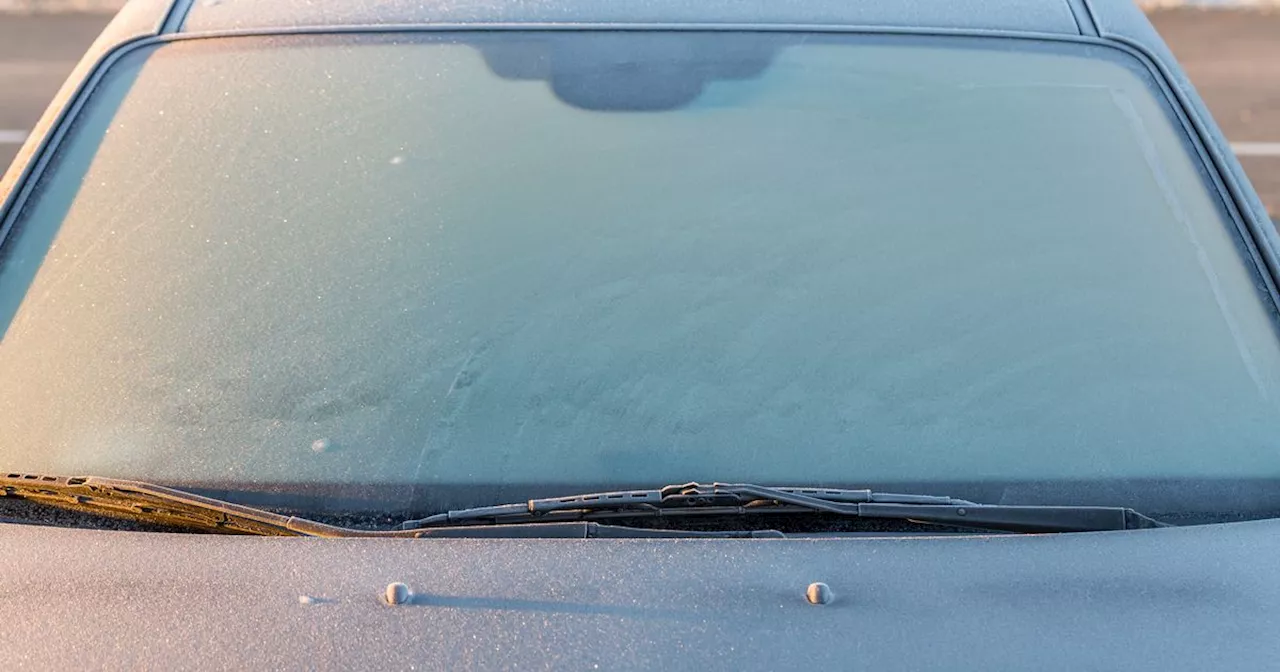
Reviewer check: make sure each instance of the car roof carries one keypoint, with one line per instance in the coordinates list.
(1039, 16)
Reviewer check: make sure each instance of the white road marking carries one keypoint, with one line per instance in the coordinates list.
(11, 137)
(1256, 148)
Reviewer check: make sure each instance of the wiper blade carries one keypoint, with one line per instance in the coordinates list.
(170, 507)
(729, 499)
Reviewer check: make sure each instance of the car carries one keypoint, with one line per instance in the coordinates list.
(599, 335)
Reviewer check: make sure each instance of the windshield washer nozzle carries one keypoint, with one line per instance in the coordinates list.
(398, 593)
(819, 593)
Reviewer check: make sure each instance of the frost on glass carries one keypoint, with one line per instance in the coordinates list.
(327, 261)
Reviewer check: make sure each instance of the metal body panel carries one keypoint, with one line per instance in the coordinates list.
(1044, 16)
(1179, 598)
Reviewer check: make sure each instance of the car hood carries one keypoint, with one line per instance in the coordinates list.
(1179, 598)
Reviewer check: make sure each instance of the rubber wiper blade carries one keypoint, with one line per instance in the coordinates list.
(727, 499)
(157, 504)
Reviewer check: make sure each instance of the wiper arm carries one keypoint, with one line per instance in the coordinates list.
(157, 504)
(694, 499)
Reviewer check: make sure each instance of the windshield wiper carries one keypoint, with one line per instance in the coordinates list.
(169, 507)
(566, 517)
(727, 499)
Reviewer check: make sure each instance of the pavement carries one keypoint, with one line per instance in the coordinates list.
(36, 55)
(1232, 56)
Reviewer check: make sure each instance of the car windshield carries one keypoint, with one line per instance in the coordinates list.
(471, 267)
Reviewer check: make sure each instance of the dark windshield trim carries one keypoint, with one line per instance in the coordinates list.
(1262, 248)
(177, 16)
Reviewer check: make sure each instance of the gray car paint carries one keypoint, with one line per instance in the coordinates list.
(1179, 598)
(1169, 599)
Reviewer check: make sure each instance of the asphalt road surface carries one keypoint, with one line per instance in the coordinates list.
(1232, 56)
(36, 55)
